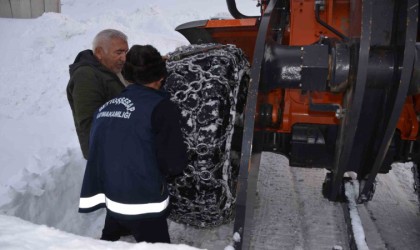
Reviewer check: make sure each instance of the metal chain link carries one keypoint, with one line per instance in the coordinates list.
(205, 85)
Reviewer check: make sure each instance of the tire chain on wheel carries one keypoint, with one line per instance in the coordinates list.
(209, 85)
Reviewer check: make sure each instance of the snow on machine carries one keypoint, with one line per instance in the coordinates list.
(331, 84)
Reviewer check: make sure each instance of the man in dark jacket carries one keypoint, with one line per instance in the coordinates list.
(136, 141)
(95, 78)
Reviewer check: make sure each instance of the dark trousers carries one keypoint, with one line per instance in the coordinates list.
(151, 230)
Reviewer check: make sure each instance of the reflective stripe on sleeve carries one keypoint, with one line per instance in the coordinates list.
(92, 201)
(121, 208)
(133, 209)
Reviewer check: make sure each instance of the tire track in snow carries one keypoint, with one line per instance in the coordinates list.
(291, 212)
(322, 220)
(395, 210)
(277, 224)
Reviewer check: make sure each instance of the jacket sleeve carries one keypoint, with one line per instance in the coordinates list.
(87, 98)
(171, 149)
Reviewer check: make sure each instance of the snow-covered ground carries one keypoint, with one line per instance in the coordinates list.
(41, 166)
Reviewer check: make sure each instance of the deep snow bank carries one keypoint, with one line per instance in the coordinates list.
(41, 166)
(16, 233)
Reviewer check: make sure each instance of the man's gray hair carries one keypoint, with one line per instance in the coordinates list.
(103, 37)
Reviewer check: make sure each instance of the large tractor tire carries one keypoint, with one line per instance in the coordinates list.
(208, 82)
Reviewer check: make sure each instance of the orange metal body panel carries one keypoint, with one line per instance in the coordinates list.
(303, 29)
(293, 106)
(296, 109)
(407, 123)
(241, 32)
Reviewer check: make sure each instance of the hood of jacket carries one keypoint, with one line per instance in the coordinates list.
(85, 58)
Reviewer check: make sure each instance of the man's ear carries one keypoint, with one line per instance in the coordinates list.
(99, 52)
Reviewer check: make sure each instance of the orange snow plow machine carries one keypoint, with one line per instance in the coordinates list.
(334, 84)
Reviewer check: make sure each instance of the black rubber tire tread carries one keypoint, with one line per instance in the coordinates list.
(209, 83)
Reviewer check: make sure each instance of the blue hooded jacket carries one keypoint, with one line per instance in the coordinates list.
(135, 142)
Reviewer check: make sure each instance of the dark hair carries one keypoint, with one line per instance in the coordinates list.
(144, 64)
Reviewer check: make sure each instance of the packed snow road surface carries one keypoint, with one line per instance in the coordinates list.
(291, 212)
(395, 210)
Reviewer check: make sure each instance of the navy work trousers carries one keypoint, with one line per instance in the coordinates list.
(151, 230)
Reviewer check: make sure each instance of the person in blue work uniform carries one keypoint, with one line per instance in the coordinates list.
(135, 143)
